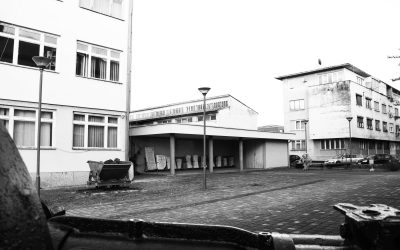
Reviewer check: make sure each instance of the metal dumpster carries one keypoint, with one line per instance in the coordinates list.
(109, 174)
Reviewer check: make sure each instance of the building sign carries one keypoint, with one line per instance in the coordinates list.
(181, 110)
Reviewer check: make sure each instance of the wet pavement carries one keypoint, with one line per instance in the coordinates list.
(285, 201)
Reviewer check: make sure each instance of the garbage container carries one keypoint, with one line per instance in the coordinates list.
(109, 174)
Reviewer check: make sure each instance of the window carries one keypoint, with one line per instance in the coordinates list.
(377, 125)
(371, 145)
(396, 112)
(360, 122)
(376, 106)
(107, 7)
(4, 117)
(363, 144)
(384, 127)
(379, 145)
(22, 126)
(94, 131)
(26, 43)
(331, 77)
(391, 127)
(358, 100)
(6, 42)
(328, 144)
(298, 145)
(369, 124)
(368, 103)
(213, 117)
(384, 109)
(360, 80)
(298, 125)
(297, 104)
(386, 146)
(390, 108)
(92, 61)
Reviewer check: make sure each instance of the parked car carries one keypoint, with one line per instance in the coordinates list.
(345, 159)
(380, 159)
(295, 161)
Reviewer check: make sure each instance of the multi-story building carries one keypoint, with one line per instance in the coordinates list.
(318, 105)
(175, 132)
(83, 89)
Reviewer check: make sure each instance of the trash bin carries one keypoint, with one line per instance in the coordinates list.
(109, 174)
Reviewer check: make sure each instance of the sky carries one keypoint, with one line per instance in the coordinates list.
(238, 47)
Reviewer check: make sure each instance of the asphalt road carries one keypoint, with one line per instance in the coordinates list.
(285, 201)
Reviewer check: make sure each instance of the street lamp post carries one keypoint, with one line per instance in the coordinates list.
(41, 62)
(204, 91)
(305, 134)
(349, 118)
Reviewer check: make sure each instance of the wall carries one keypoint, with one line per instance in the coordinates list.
(263, 154)
(253, 154)
(237, 111)
(62, 86)
(371, 113)
(227, 117)
(276, 154)
(61, 157)
(329, 106)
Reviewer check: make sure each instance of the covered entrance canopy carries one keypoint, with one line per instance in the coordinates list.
(249, 148)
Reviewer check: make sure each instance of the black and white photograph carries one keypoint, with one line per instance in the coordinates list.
(188, 124)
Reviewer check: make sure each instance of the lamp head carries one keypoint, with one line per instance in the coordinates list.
(204, 90)
(349, 118)
(305, 121)
(41, 61)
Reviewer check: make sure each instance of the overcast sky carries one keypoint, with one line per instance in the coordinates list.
(238, 47)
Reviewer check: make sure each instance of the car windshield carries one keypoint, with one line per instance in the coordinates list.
(259, 115)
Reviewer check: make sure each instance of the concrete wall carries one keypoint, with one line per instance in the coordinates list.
(276, 154)
(261, 154)
(61, 157)
(253, 154)
(62, 86)
(229, 118)
(328, 105)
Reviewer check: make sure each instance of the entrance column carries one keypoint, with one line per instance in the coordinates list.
(264, 154)
(211, 153)
(241, 154)
(172, 153)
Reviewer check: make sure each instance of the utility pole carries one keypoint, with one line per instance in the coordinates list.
(128, 81)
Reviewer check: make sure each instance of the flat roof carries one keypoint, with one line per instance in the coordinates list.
(336, 67)
(197, 130)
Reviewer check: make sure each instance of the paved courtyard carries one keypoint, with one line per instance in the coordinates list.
(286, 201)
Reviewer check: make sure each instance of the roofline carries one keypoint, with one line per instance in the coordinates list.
(340, 66)
(185, 102)
(178, 103)
(273, 136)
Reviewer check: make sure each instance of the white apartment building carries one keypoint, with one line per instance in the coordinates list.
(175, 132)
(83, 89)
(325, 97)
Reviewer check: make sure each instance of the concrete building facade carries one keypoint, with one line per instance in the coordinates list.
(83, 89)
(317, 104)
(175, 132)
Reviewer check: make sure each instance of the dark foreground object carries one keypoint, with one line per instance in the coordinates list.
(28, 224)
